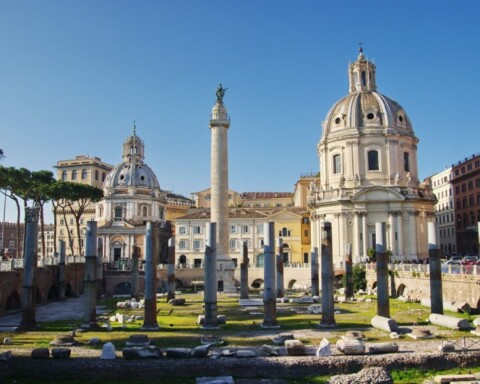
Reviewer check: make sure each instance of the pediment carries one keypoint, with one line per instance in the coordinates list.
(285, 215)
(377, 194)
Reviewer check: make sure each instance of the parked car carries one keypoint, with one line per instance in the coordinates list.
(470, 260)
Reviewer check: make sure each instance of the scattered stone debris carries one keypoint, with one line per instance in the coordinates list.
(221, 319)
(383, 348)
(282, 337)
(295, 348)
(351, 347)
(420, 333)
(211, 340)
(40, 353)
(64, 341)
(268, 350)
(324, 348)
(468, 378)
(215, 380)
(94, 341)
(145, 352)
(61, 353)
(179, 353)
(108, 352)
(138, 341)
(446, 346)
(374, 375)
(7, 341)
(6, 356)
(176, 302)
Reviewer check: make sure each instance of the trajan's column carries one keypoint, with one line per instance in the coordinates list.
(219, 124)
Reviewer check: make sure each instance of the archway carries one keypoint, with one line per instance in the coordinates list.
(68, 290)
(402, 290)
(291, 284)
(122, 289)
(52, 294)
(38, 296)
(257, 283)
(182, 261)
(13, 302)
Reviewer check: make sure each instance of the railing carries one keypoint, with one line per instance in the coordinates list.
(450, 269)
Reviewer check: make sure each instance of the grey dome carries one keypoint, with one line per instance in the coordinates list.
(131, 174)
(366, 110)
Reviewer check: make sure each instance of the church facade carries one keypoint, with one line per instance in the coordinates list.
(368, 174)
(132, 197)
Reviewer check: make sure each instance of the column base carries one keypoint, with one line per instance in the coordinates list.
(269, 326)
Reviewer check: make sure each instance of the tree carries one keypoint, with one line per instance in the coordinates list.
(22, 184)
(359, 278)
(2, 155)
(80, 196)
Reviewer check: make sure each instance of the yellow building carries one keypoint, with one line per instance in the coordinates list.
(85, 170)
(202, 198)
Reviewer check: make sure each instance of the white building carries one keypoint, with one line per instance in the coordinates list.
(132, 197)
(368, 174)
(444, 210)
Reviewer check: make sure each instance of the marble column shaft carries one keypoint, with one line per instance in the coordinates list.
(348, 271)
(314, 272)
(150, 319)
(135, 283)
(269, 292)
(383, 305)
(90, 279)
(435, 266)
(328, 309)
(28, 321)
(244, 272)
(210, 278)
(171, 269)
(61, 270)
(279, 262)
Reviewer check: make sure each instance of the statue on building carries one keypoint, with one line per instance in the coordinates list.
(220, 92)
(397, 178)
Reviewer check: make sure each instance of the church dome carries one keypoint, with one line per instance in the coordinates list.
(364, 109)
(132, 171)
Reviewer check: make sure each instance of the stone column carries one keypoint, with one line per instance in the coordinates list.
(244, 272)
(135, 283)
(219, 125)
(99, 271)
(171, 269)
(356, 238)
(28, 321)
(328, 310)
(383, 306)
(314, 272)
(401, 249)
(279, 285)
(391, 232)
(150, 321)
(210, 278)
(348, 271)
(364, 235)
(435, 267)
(61, 270)
(269, 297)
(412, 225)
(90, 278)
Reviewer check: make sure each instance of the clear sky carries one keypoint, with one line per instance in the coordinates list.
(75, 74)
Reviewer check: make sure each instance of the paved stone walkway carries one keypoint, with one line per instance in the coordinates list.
(70, 309)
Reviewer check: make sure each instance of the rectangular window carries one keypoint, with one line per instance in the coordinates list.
(197, 244)
(233, 243)
(182, 230)
(305, 232)
(373, 160)
(233, 229)
(337, 166)
(197, 230)
(406, 161)
(182, 244)
(62, 222)
(245, 229)
(71, 221)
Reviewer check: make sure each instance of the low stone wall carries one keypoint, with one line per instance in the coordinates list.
(271, 367)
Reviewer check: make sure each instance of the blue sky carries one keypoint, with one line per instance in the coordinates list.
(75, 74)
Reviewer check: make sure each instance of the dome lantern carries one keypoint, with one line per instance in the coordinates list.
(361, 74)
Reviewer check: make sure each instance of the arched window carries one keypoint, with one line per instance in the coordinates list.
(96, 175)
(103, 176)
(144, 211)
(84, 174)
(337, 164)
(64, 175)
(373, 160)
(100, 210)
(74, 174)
